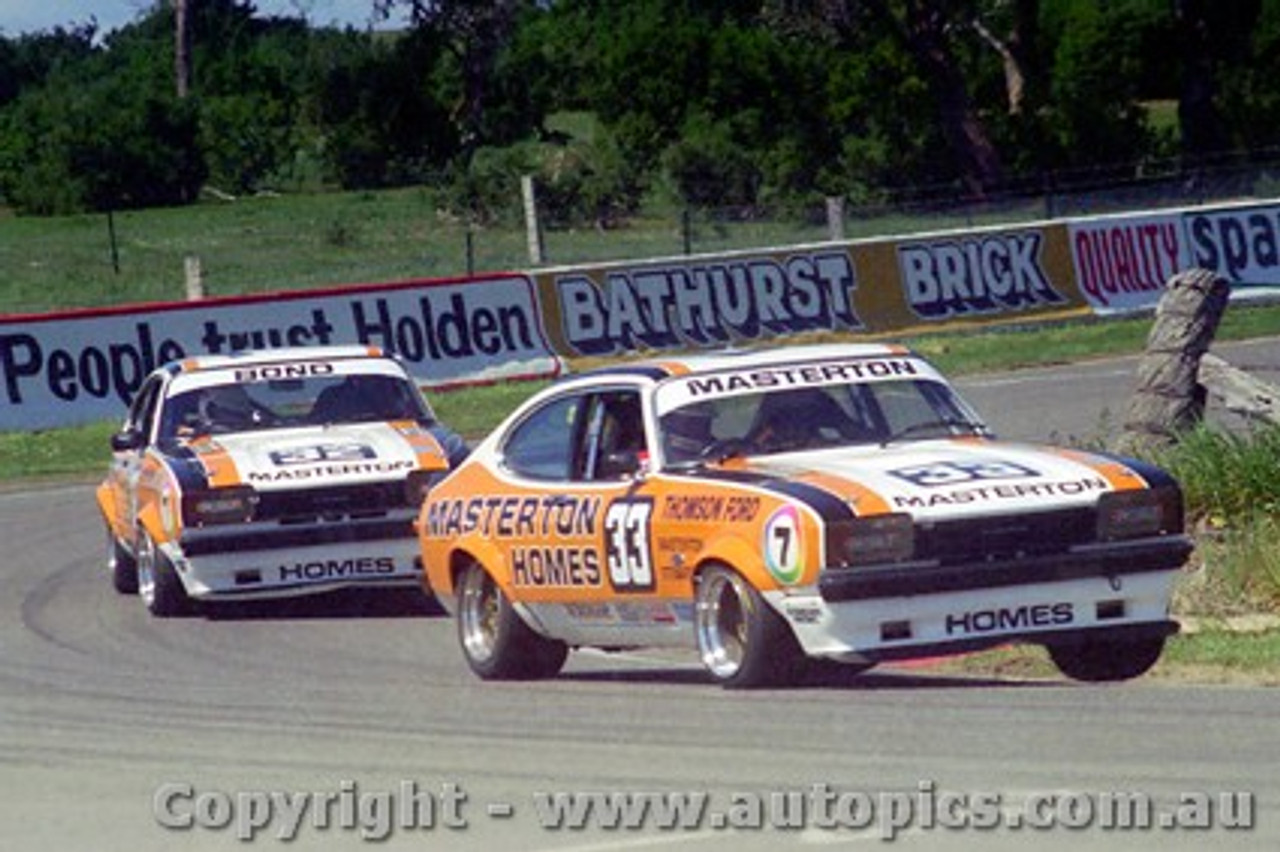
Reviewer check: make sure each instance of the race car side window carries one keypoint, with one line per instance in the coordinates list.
(142, 410)
(544, 444)
(615, 440)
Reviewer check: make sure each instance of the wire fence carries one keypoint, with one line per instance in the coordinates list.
(304, 242)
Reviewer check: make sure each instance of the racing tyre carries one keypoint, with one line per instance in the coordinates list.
(742, 641)
(122, 565)
(496, 641)
(1103, 660)
(158, 584)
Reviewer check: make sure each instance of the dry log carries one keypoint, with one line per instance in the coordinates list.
(1240, 392)
(1169, 398)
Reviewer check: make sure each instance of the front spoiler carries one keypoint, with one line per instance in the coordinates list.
(321, 567)
(1119, 633)
(1109, 559)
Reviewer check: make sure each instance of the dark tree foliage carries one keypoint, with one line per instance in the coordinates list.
(28, 60)
(721, 103)
(98, 143)
(382, 119)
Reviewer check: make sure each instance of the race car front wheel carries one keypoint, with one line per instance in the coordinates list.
(158, 584)
(497, 643)
(1102, 660)
(122, 565)
(742, 641)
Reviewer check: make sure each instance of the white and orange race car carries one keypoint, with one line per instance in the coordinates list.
(268, 474)
(835, 501)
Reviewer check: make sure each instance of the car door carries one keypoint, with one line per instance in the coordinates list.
(585, 454)
(129, 446)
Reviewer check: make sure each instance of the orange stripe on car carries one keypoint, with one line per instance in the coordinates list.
(1118, 476)
(862, 499)
(218, 464)
(429, 451)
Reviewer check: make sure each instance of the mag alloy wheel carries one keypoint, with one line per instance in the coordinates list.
(742, 641)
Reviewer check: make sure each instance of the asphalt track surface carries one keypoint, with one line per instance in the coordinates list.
(112, 723)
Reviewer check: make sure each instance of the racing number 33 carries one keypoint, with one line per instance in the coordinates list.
(626, 544)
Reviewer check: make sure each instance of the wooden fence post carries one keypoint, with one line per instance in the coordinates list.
(194, 278)
(533, 229)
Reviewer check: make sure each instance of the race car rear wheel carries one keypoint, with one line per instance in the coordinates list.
(122, 565)
(158, 584)
(742, 641)
(1102, 660)
(496, 641)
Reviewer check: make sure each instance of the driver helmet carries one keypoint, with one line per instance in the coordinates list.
(688, 431)
(228, 406)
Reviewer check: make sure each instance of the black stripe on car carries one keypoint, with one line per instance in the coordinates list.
(828, 506)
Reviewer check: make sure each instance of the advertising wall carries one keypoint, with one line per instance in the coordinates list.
(82, 366)
(872, 286)
(1122, 263)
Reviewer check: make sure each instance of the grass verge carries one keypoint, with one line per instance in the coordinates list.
(1212, 656)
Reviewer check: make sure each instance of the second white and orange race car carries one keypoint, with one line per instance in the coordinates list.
(267, 474)
(833, 502)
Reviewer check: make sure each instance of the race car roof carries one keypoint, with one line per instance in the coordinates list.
(725, 359)
(196, 363)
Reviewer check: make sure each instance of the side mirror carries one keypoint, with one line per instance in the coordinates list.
(126, 440)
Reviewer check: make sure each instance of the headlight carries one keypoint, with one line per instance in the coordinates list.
(1139, 513)
(871, 540)
(221, 506)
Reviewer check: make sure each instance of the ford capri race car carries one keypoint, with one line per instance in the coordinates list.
(268, 474)
(829, 502)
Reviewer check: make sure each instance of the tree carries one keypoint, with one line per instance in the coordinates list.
(475, 32)
(98, 142)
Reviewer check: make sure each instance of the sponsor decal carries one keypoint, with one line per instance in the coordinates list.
(981, 275)
(647, 613)
(710, 509)
(1003, 619)
(590, 612)
(802, 613)
(992, 493)
(554, 565)
(801, 376)
(557, 519)
(627, 549)
(662, 307)
(337, 569)
(938, 474)
(318, 453)
(506, 516)
(330, 471)
(781, 547)
(1240, 245)
(278, 372)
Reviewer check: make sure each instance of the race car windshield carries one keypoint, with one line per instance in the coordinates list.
(325, 400)
(811, 418)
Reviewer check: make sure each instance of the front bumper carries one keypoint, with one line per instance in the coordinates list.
(903, 612)
(1112, 559)
(265, 561)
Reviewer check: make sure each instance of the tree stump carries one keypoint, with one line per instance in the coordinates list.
(1169, 399)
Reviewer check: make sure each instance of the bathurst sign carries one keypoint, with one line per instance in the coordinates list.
(77, 367)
